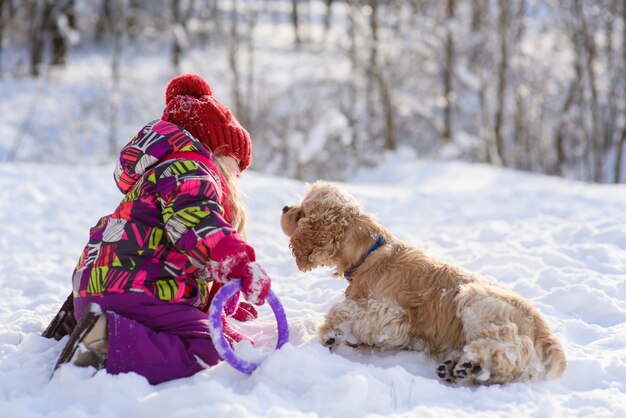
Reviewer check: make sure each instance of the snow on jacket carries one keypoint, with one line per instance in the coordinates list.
(169, 231)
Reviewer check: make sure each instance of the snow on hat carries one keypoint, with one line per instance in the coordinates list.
(189, 103)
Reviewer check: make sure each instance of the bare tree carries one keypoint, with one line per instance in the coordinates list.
(375, 73)
(478, 14)
(573, 96)
(609, 117)
(352, 32)
(179, 30)
(526, 128)
(503, 39)
(595, 139)
(41, 16)
(523, 157)
(117, 20)
(49, 20)
(133, 20)
(178, 34)
(448, 73)
(249, 15)
(295, 20)
(233, 59)
(3, 19)
(349, 95)
(104, 21)
(328, 17)
(617, 177)
(252, 16)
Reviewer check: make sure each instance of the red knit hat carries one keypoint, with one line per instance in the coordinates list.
(189, 103)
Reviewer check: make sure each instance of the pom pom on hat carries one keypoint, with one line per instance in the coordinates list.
(189, 103)
(187, 85)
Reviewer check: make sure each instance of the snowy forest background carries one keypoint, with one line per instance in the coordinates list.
(326, 86)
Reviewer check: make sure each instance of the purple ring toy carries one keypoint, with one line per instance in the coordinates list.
(217, 333)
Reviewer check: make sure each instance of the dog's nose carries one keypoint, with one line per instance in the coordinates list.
(285, 209)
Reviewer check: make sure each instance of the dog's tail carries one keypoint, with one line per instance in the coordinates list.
(552, 353)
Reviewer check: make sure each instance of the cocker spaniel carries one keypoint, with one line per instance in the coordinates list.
(399, 297)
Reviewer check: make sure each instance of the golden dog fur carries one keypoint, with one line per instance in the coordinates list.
(399, 297)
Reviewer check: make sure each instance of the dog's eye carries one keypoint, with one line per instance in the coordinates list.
(300, 215)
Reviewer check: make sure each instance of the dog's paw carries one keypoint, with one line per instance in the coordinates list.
(453, 372)
(445, 371)
(332, 342)
(471, 370)
(331, 338)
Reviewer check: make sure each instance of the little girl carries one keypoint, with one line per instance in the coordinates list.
(145, 280)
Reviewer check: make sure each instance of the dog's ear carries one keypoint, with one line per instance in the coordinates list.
(316, 240)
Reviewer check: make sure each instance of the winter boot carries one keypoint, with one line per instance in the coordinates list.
(88, 345)
(63, 323)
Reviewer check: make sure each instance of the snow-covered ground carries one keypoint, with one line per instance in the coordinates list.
(559, 243)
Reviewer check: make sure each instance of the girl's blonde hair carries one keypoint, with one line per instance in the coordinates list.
(239, 213)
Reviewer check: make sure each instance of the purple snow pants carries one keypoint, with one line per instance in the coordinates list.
(158, 340)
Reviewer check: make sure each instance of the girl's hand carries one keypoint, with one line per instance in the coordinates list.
(233, 258)
(245, 312)
(255, 281)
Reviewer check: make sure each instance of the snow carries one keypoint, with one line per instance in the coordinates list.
(559, 243)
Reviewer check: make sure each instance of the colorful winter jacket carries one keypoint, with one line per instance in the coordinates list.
(169, 229)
